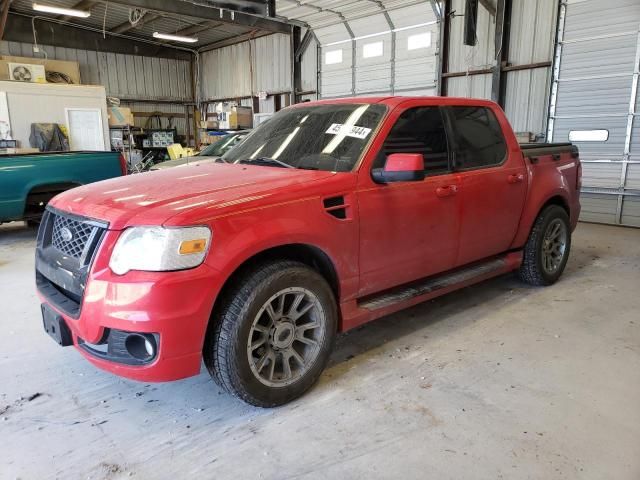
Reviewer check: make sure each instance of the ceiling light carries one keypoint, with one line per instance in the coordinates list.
(61, 11)
(174, 38)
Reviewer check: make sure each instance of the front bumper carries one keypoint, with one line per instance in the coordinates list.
(175, 307)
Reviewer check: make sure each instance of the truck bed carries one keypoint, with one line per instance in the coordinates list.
(30, 180)
(533, 150)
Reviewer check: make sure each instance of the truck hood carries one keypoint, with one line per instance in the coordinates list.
(152, 198)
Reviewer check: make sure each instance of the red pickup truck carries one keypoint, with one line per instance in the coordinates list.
(328, 216)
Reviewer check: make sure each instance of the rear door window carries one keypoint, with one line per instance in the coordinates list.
(478, 141)
(419, 130)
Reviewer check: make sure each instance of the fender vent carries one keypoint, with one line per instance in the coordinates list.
(336, 206)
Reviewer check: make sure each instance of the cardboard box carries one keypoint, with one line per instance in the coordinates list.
(209, 125)
(236, 118)
(70, 69)
(18, 151)
(119, 116)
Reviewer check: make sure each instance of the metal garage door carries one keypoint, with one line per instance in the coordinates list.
(392, 51)
(594, 103)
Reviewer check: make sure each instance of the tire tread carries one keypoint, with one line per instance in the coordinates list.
(530, 271)
(217, 350)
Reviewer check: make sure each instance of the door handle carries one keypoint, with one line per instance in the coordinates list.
(446, 191)
(515, 178)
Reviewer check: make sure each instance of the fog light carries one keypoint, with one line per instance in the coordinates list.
(142, 347)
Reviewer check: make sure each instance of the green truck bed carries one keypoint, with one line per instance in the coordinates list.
(29, 181)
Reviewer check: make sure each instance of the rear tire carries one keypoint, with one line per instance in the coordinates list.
(547, 249)
(273, 333)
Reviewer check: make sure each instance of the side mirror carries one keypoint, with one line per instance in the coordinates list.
(400, 167)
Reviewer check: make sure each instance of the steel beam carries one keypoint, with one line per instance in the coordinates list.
(234, 40)
(443, 48)
(489, 7)
(59, 35)
(296, 63)
(555, 79)
(502, 31)
(304, 44)
(205, 11)
(81, 5)
(4, 13)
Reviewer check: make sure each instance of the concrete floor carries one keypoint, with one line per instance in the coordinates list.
(496, 381)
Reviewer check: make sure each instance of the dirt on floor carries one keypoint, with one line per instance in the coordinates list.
(499, 380)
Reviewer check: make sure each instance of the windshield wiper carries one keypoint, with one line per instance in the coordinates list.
(267, 161)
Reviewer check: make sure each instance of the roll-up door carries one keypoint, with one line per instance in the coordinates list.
(594, 103)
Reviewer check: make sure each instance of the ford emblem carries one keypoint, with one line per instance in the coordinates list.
(66, 234)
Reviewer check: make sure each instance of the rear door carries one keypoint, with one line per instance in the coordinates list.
(409, 230)
(493, 182)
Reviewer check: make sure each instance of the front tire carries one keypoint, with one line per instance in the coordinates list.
(273, 334)
(547, 249)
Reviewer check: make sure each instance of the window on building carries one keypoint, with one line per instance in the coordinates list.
(419, 40)
(419, 130)
(333, 57)
(478, 138)
(588, 135)
(375, 49)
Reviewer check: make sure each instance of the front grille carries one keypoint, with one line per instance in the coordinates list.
(65, 250)
(80, 235)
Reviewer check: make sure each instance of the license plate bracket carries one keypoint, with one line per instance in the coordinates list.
(55, 326)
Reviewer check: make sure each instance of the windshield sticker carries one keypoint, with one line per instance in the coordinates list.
(349, 131)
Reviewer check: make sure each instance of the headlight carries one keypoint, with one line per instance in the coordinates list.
(158, 249)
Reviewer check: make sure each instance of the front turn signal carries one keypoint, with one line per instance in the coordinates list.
(189, 247)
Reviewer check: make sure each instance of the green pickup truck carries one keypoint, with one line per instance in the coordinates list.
(29, 181)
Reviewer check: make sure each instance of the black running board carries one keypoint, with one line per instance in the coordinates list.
(432, 284)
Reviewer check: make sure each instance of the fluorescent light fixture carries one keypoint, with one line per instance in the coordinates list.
(72, 12)
(174, 38)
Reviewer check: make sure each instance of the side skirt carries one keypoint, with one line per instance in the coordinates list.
(366, 309)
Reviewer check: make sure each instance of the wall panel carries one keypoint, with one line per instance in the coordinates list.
(123, 76)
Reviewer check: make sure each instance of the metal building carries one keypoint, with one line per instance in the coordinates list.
(562, 71)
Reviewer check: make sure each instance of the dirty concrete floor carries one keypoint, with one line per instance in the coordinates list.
(496, 381)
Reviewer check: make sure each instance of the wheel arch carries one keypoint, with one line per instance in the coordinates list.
(558, 200)
(533, 210)
(310, 255)
(48, 187)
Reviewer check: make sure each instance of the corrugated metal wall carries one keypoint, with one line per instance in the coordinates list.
(244, 69)
(463, 58)
(533, 28)
(533, 24)
(597, 89)
(309, 68)
(123, 76)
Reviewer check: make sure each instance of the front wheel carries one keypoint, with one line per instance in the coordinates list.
(547, 249)
(273, 335)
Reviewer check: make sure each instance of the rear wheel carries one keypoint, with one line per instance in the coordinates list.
(547, 249)
(273, 334)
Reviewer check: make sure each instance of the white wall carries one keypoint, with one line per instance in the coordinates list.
(36, 103)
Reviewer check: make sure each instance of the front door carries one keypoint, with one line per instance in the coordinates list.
(408, 230)
(493, 183)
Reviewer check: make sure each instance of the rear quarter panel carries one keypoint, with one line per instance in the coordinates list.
(19, 174)
(549, 179)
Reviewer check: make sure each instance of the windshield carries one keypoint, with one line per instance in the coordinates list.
(318, 137)
(223, 145)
